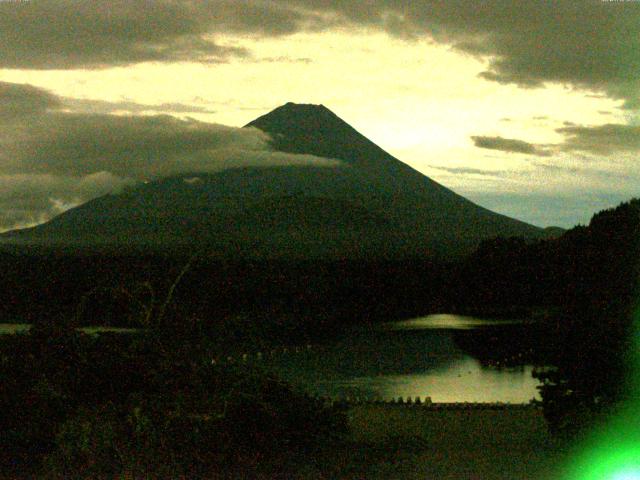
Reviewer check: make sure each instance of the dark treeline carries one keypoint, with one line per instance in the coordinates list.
(586, 282)
(587, 268)
(594, 338)
(585, 263)
(110, 289)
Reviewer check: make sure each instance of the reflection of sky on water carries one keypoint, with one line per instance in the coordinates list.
(392, 363)
(446, 321)
(463, 381)
(467, 381)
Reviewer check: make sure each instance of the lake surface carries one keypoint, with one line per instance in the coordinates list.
(418, 357)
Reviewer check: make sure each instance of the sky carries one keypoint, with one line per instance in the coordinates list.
(531, 109)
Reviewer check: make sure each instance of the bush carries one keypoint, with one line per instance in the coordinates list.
(89, 407)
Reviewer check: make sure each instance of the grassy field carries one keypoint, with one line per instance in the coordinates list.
(394, 442)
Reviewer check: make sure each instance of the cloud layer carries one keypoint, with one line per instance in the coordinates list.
(605, 139)
(51, 160)
(27, 200)
(599, 140)
(586, 43)
(509, 145)
(101, 106)
(48, 34)
(19, 100)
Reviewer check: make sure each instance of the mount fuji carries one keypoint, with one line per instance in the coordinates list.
(364, 204)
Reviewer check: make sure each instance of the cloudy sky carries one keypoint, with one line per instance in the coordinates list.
(531, 109)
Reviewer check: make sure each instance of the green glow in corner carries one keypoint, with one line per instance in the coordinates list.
(631, 474)
(621, 462)
(613, 452)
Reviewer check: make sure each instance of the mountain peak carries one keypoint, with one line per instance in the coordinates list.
(309, 106)
(309, 114)
(314, 129)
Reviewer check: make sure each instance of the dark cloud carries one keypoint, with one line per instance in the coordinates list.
(587, 43)
(509, 145)
(101, 106)
(507, 79)
(282, 59)
(18, 100)
(471, 171)
(50, 141)
(139, 146)
(46, 34)
(602, 140)
(81, 144)
(634, 102)
(558, 168)
(52, 34)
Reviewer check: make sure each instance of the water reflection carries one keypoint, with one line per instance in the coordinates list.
(448, 322)
(413, 358)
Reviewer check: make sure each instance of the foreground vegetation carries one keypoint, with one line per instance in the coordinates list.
(81, 406)
(151, 406)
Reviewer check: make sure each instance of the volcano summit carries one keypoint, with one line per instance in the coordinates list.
(363, 204)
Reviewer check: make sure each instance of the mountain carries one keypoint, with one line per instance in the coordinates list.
(367, 205)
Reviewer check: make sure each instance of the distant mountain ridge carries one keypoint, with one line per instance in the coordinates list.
(370, 206)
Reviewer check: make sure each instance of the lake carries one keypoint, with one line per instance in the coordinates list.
(420, 357)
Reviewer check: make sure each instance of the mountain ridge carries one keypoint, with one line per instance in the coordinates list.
(371, 205)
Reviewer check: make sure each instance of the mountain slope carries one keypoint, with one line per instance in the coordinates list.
(431, 208)
(370, 205)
